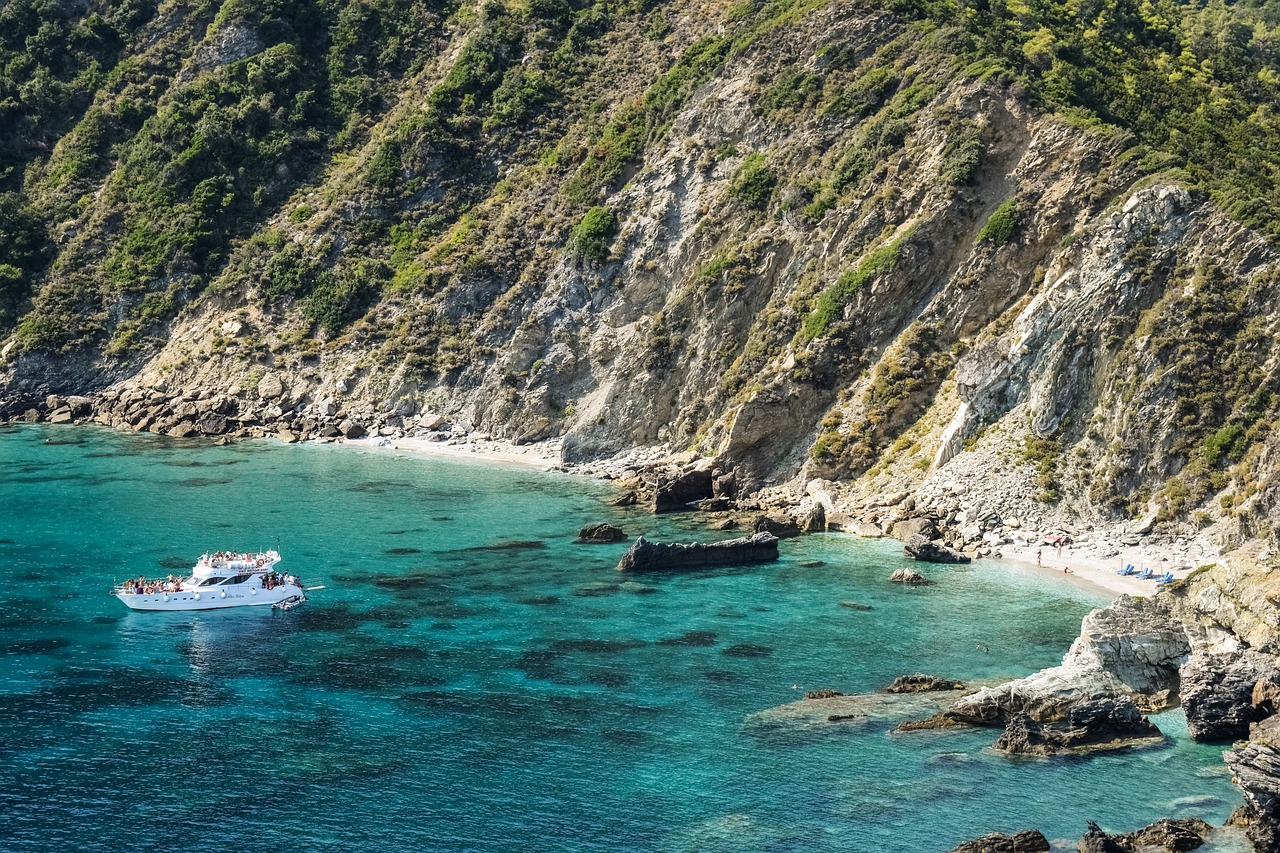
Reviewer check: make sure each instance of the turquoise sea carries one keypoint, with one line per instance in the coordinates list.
(471, 680)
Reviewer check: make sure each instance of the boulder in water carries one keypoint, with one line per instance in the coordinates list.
(910, 577)
(645, 556)
(599, 533)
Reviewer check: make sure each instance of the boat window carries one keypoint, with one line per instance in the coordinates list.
(236, 579)
(211, 581)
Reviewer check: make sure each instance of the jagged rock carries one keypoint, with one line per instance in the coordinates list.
(1096, 841)
(31, 416)
(1027, 841)
(910, 577)
(1264, 696)
(645, 556)
(921, 683)
(825, 693)
(1255, 764)
(1097, 724)
(351, 429)
(920, 526)
(711, 505)
(287, 436)
(676, 493)
(1024, 736)
(926, 551)
(1217, 693)
(777, 524)
(813, 519)
(61, 416)
(1173, 836)
(723, 524)
(183, 429)
(601, 532)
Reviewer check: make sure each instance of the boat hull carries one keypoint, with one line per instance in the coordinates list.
(254, 597)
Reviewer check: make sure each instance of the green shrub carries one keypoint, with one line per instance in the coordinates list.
(593, 236)
(1000, 225)
(754, 182)
(832, 300)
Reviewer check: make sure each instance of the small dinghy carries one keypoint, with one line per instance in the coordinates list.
(290, 602)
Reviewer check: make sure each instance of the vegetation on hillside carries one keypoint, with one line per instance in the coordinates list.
(113, 114)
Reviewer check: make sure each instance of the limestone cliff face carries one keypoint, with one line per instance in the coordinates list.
(904, 278)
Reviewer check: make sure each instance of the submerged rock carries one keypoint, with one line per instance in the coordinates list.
(646, 556)
(824, 693)
(917, 547)
(1027, 841)
(820, 712)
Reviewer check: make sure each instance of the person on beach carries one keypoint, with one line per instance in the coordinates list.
(1038, 552)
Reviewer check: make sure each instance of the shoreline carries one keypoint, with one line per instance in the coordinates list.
(1087, 570)
(480, 450)
(1090, 572)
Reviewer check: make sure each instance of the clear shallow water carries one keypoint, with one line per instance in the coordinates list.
(444, 694)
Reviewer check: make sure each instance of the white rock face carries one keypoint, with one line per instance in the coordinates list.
(1132, 648)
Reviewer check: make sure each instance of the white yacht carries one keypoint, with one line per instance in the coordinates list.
(218, 580)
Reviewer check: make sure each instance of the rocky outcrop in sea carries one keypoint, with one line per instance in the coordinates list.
(646, 556)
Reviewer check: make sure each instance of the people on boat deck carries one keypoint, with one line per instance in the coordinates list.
(141, 585)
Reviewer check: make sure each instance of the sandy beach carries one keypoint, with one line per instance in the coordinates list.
(544, 455)
(1089, 571)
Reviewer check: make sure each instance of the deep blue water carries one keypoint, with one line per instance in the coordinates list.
(446, 694)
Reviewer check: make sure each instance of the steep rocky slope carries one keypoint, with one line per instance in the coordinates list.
(804, 238)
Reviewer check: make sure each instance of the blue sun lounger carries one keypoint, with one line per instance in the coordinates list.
(1127, 570)
(1167, 577)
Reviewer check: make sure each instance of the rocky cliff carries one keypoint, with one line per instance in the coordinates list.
(801, 238)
